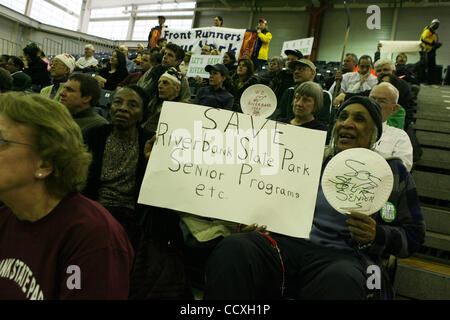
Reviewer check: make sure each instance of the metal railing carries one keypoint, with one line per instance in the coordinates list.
(10, 48)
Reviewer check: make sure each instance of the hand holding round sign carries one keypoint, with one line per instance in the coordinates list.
(258, 100)
(358, 180)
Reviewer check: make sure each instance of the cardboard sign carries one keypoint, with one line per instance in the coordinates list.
(231, 166)
(304, 45)
(198, 63)
(258, 100)
(357, 179)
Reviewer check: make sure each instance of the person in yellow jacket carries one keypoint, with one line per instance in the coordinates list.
(261, 48)
(429, 43)
(62, 65)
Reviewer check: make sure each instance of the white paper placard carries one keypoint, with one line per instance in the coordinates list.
(399, 46)
(304, 45)
(231, 166)
(198, 63)
(357, 179)
(258, 100)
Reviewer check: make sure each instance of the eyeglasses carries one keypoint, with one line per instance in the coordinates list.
(5, 141)
(381, 100)
(382, 70)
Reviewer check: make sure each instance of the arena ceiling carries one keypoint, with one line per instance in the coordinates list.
(261, 4)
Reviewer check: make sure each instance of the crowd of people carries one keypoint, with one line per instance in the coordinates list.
(72, 174)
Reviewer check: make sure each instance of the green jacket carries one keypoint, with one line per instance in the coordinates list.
(47, 91)
(397, 119)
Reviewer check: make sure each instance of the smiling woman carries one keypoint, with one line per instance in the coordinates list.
(332, 263)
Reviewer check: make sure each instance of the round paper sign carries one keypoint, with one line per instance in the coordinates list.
(357, 179)
(259, 101)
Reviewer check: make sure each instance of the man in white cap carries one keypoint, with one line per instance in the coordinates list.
(88, 61)
(62, 65)
(169, 89)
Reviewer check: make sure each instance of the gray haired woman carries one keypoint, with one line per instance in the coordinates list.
(307, 103)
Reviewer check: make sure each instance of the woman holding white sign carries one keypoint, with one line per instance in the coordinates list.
(342, 249)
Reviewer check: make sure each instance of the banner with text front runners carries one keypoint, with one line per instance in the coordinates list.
(239, 41)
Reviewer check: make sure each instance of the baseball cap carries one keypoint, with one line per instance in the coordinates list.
(218, 67)
(294, 52)
(262, 20)
(294, 63)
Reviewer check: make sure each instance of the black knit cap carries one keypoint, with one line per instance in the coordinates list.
(372, 107)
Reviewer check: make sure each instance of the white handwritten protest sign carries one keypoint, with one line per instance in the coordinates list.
(222, 39)
(304, 45)
(198, 63)
(399, 46)
(258, 100)
(231, 166)
(357, 180)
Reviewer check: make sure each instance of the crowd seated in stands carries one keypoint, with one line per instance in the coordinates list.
(116, 99)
